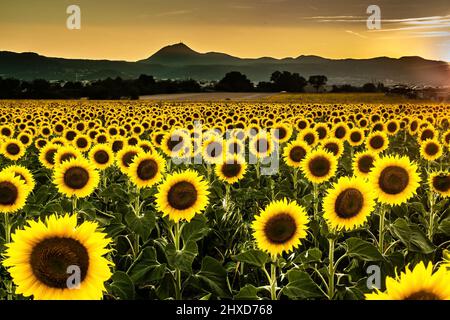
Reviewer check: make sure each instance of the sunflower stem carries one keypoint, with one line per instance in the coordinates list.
(431, 200)
(295, 182)
(9, 284)
(381, 229)
(316, 200)
(273, 280)
(74, 204)
(331, 269)
(177, 236)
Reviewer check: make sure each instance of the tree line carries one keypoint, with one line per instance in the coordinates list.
(119, 88)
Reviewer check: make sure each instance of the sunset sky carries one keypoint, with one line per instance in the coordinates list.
(135, 29)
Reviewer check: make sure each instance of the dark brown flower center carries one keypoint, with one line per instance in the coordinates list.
(67, 156)
(355, 136)
(340, 132)
(393, 180)
(365, 163)
(8, 193)
(13, 149)
(53, 260)
(392, 126)
(101, 156)
(297, 154)
(422, 295)
(322, 132)
(231, 170)
(24, 139)
(280, 228)
(101, 138)
(174, 143)
(309, 138)
(147, 169)
(6, 132)
(427, 134)
(441, 183)
(319, 166)
(71, 135)
(128, 157)
(280, 133)
(50, 156)
(349, 203)
(82, 143)
(182, 195)
(332, 147)
(431, 149)
(376, 142)
(76, 177)
(117, 145)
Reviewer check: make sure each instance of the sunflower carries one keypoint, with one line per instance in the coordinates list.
(426, 133)
(45, 255)
(232, 169)
(392, 127)
(25, 139)
(13, 149)
(47, 155)
(334, 145)
(147, 169)
(76, 177)
(261, 145)
(176, 143)
(234, 146)
(439, 182)
(395, 179)
(13, 192)
(125, 157)
(363, 163)
(295, 152)
(319, 166)
(281, 132)
(213, 150)
(66, 153)
(356, 137)
(377, 142)
(23, 173)
(419, 283)
(431, 149)
(82, 142)
(310, 136)
(101, 156)
(182, 195)
(280, 227)
(348, 203)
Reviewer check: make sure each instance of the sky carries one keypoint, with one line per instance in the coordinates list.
(134, 29)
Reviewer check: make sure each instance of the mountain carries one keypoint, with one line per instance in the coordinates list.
(180, 62)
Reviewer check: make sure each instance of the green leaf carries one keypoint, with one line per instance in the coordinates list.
(309, 256)
(147, 268)
(411, 236)
(357, 248)
(249, 292)
(444, 227)
(196, 229)
(143, 225)
(213, 275)
(182, 259)
(301, 286)
(253, 257)
(122, 286)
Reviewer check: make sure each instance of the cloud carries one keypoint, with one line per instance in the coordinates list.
(356, 34)
(173, 13)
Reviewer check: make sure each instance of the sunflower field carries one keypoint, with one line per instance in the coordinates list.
(237, 200)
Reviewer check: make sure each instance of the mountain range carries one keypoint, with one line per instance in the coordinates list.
(178, 61)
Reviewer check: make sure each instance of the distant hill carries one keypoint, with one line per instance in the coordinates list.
(180, 62)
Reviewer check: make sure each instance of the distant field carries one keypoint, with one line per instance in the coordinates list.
(282, 97)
